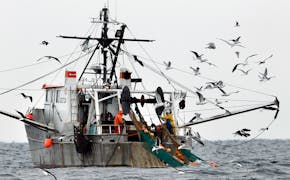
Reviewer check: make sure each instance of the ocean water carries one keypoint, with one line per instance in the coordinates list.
(258, 159)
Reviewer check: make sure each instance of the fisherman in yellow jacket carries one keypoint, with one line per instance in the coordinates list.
(169, 122)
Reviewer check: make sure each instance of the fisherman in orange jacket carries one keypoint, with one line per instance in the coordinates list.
(118, 121)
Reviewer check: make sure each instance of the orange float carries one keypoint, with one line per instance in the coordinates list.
(47, 142)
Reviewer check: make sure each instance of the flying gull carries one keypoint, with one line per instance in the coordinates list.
(136, 59)
(45, 43)
(195, 118)
(50, 57)
(219, 102)
(46, 172)
(236, 41)
(245, 72)
(225, 93)
(199, 89)
(197, 138)
(237, 24)
(201, 99)
(211, 45)
(215, 84)
(242, 133)
(195, 70)
(168, 65)
(264, 60)
(26, 96)
(246, 61)
(238, 54)
(231, 44)
(264, 76)
(197, 56)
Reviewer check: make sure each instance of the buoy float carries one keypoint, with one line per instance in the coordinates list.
(29, 116)
(213, 164)
(47, 142)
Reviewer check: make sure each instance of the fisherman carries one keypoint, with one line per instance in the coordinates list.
(92, 127)
(169, 122)
(119, 122)
(109, 116)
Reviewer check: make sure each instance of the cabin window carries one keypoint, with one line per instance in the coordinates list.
(48, 97)
(60, 97)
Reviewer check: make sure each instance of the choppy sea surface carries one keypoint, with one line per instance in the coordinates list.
(258, 159)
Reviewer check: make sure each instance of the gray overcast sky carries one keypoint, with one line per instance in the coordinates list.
(177, 27)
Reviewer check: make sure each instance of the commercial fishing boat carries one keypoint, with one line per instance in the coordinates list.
(95, 118)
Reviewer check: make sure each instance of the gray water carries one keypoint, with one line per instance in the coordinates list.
(258, 159)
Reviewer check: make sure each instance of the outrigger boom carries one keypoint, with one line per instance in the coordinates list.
(36, 124)
(228, 114)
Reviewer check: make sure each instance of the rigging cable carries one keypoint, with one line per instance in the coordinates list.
(155, 64)
(22, 67)
(211, 79)
(92, 28)
(42, 76)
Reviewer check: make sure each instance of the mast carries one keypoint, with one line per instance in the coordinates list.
(104, 37)
(104, 44)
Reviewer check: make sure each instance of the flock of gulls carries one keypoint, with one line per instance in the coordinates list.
(245, 67)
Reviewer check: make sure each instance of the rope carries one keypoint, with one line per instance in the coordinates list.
(41, 77)
(21, 67)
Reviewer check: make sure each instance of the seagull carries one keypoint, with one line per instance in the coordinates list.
(237, 65)
(244, 63)
(85, 44)
(203, 60)
(211, 45)
(195, 118)
(199, 89)
(237, 24)
(236, 41)
(219, 102)
(50, 57)
(241, 133)
(46, 172)
(211, 64)
(231, 44)
(245, 72)
(136, 59)
(209, 86)
(168, 65)
(197, 56)
(238, 54)
(184, 146)
(197, 138)
(264, 60)
(25, 96)
(195, 70)
(227, 94)
(245, 129)
(253, 55)
(21, 114)
(264, 129)
(264, 76)
(156, 148)
(45, 43)
(215, 84)
(157, 145)
(201, 99)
